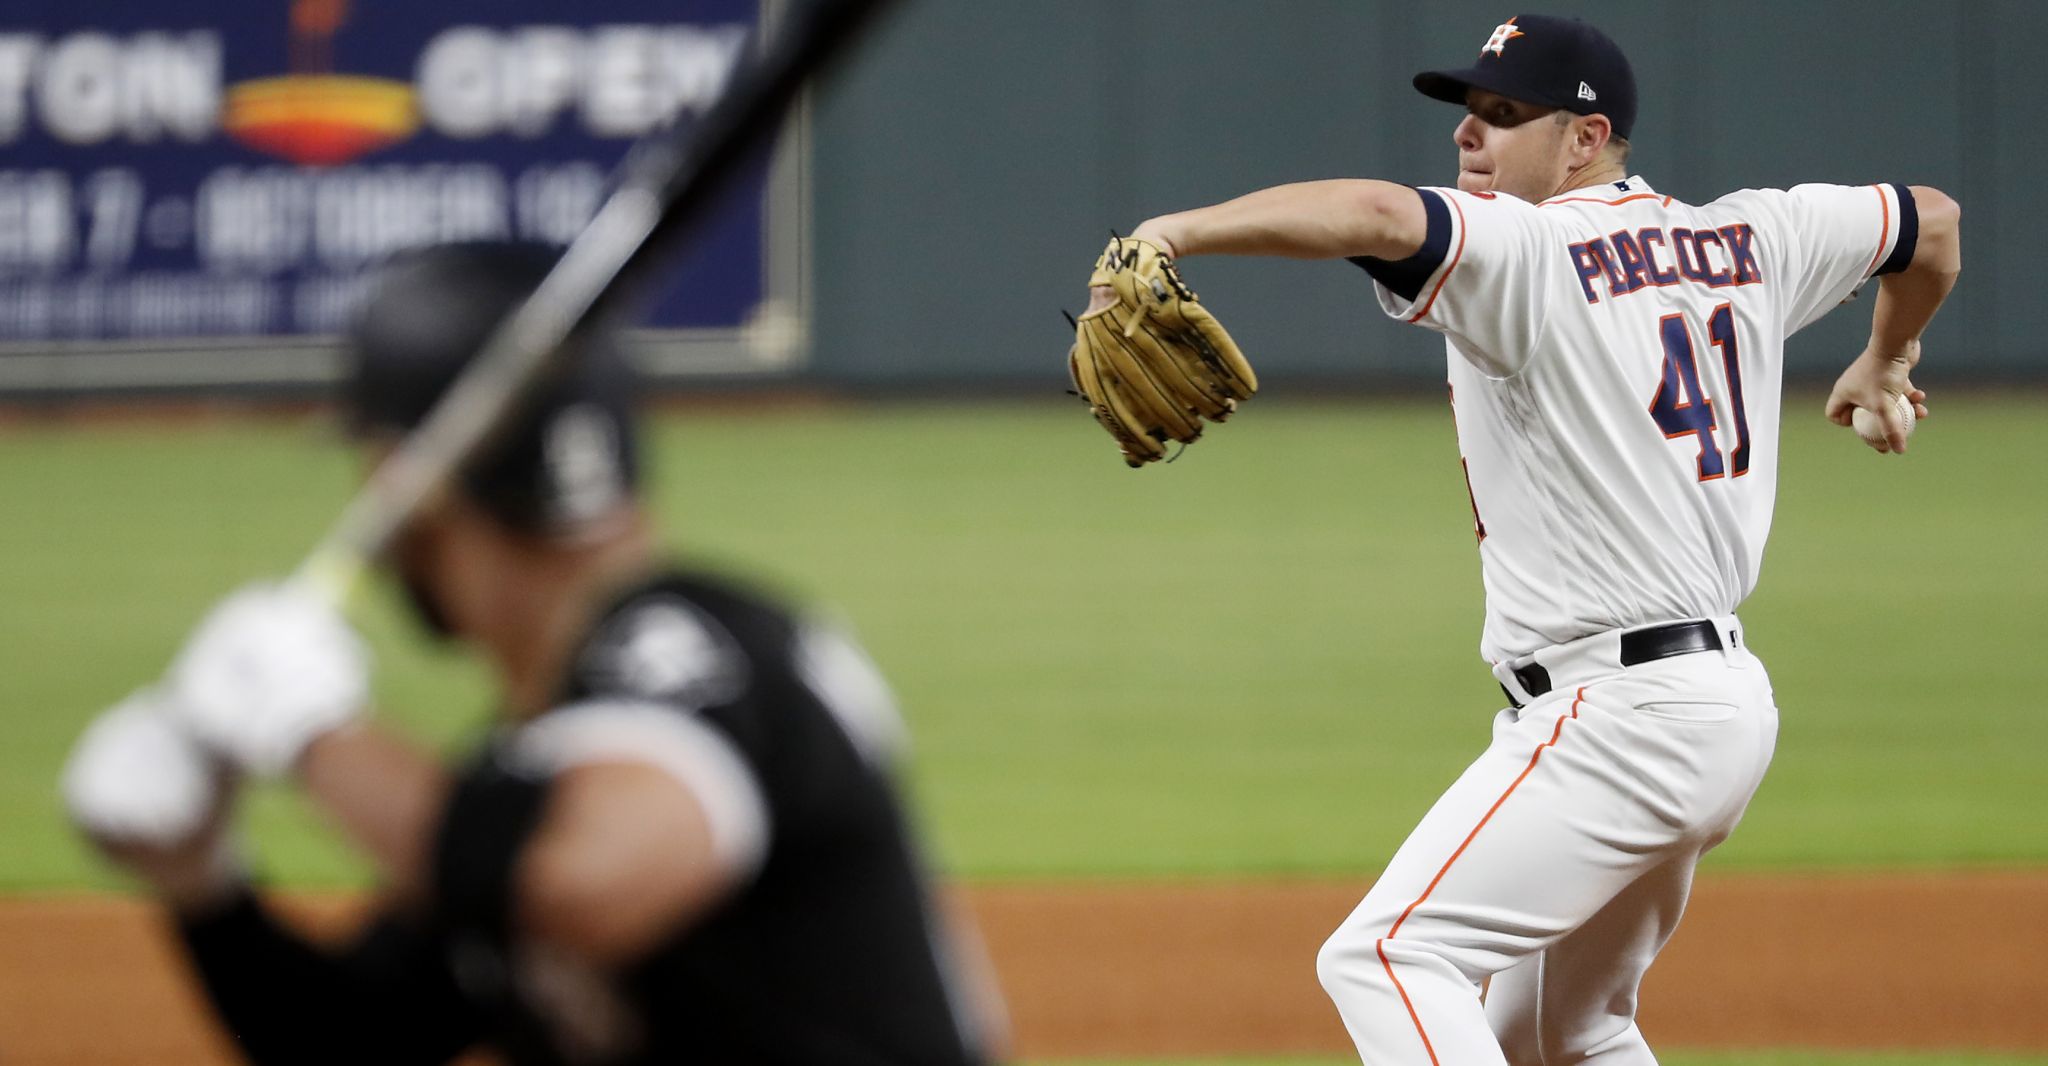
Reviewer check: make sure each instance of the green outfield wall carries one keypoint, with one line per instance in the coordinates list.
(953, 181)
(970, 163)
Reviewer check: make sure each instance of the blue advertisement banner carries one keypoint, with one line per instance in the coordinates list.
(199, 188)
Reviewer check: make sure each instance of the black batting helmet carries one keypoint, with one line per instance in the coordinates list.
(567, 454)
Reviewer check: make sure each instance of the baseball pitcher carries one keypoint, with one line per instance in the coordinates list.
(1615, 359)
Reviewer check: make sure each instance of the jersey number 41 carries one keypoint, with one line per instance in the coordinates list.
(1681, 408)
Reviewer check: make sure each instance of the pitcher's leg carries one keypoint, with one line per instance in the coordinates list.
(1515, 854)
(1575, 1001)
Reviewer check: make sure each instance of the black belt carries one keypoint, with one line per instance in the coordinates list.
(1637, 647)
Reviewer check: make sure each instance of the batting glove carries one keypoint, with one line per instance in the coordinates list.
(136, 777)
(271, 669)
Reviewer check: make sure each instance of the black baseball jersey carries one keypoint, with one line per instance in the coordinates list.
(829, 952)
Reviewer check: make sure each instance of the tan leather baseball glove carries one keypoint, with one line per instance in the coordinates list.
(1155, 363)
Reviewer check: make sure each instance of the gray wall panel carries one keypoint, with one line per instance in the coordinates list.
(972, 162)
(2005, 225)
(955, 175)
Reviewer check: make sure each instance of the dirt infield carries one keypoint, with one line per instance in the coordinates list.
(1867, 961)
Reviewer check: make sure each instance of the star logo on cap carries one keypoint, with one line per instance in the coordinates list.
(1502, 34)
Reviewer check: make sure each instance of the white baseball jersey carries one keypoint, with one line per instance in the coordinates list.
(1615, 365)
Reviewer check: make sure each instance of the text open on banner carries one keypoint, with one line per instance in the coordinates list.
(191, 196)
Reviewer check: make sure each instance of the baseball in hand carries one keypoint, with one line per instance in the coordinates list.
(1870, 426)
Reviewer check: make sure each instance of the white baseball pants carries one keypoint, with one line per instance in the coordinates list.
(1557, 865)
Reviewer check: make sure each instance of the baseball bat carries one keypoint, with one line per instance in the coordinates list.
(662, 186)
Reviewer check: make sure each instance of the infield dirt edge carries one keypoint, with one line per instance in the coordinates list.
(1162, 969)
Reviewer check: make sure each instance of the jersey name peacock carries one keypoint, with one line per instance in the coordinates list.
(1616, 357)
(1632, 261)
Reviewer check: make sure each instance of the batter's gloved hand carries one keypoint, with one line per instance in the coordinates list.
(155, 801)
(270, 670)
(137, 777)
(1151, 361)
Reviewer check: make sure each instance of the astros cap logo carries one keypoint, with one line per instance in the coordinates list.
(1502, 34)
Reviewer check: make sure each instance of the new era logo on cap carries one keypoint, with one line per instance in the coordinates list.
(1586, 92)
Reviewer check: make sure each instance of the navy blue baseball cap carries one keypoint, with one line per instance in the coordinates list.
(567, 452)
(1543, 59)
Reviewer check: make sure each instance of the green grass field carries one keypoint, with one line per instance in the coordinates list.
(1259, 660)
